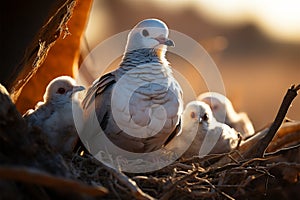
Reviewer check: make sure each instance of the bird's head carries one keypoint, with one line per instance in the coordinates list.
(149, 33)
(197, 113)
(220, 105)
(61, 89)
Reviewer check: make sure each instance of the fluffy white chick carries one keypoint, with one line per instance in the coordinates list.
(201, 133)
(224, 111)
(55, 115)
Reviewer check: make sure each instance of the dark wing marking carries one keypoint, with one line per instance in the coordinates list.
(174, 133)
(104, 121)
(97, 88)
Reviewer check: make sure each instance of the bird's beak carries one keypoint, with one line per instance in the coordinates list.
(77, 89)
(165, 41)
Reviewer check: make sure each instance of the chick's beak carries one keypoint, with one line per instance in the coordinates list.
(165, 41)
(200, 120)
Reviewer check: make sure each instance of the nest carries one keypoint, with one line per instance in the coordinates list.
(219, 176)
(266, 166)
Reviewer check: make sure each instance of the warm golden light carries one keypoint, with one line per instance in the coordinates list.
(278, 19)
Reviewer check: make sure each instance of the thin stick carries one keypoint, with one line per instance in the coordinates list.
(214, 187)
(259, 148)
(283, 150)
(169, 190)
(129, 183)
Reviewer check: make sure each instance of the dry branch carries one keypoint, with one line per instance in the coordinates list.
(257, 145)
(259, 148)
(38, 50)
(283, 150)
(34, 176)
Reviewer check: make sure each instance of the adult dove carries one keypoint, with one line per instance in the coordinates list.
(54, 116)
(139, 105)
(201, 133)
(224, 111)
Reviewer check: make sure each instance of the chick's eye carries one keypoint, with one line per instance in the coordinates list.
(193, 115)
(145, 33)
(61, 90)
(205, 117)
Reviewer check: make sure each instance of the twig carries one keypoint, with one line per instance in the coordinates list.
(215, 188)
(282, 151)
(153, 180)
(215, 170)
(247, 162)
(35, 176)
(169, 190)
(259, 148)
(233, 159)
(129, 183)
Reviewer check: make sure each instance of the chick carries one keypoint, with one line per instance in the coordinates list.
(202, 134)
(223, 111)
(55, 115)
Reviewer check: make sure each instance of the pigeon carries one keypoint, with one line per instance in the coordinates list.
(223, 111)
(139, 105)
(55, 115)
(201, 133)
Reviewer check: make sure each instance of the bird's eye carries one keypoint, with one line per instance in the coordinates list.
(145, 33)
(61, 90)
(205, 117)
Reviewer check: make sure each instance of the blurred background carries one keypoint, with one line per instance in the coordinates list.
(255, 45)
